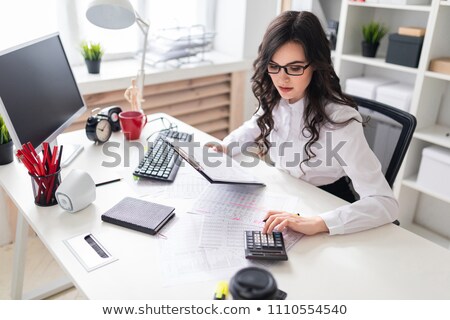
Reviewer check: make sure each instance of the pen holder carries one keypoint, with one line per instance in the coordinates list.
(44, 188)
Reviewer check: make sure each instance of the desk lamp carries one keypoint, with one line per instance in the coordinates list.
(119, 14)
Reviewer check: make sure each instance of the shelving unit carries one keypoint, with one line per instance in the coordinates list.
(377, 62)
(437, 75)
(435, 134)
(422, 211)
(391, 6)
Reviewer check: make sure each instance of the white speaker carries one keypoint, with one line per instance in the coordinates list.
(76, 191)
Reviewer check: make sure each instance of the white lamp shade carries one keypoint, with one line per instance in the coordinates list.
(111, 14)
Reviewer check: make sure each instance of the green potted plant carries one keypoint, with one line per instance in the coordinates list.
(6, 144)
(373, 32)
(92, 54)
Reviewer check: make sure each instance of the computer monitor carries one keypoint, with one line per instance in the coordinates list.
(39, 96)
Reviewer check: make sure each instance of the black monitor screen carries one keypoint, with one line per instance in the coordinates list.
(38, 90)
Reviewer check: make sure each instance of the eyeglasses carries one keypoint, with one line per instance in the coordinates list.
(292, 70)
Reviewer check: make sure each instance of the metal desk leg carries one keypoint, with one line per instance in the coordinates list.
(20, 249)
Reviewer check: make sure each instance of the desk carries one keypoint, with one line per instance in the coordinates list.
(384, 263)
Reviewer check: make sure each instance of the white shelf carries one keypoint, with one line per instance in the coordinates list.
(427, 234)
(391, 6)
(350, 63)
(377, 62)
(412, 183)
(435, 134)
(437, 75)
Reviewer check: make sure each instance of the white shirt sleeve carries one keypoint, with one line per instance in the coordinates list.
(246, 133)
(377, 205)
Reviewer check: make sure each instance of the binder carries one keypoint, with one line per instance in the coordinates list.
(139, 215)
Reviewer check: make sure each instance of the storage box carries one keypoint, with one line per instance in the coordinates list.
(412, 31)
(365, 86)
(398, 95)
(404, 50)
(441, 65)
(434, 171)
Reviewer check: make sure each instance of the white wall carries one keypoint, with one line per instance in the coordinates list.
(310, 5)
(331, 9)
(258, 17)
(240, 26)
(230, 26)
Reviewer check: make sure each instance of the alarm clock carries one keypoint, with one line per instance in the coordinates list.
(113, 116)
(98, 128)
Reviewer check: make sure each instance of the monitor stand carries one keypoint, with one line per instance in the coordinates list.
(70, 152)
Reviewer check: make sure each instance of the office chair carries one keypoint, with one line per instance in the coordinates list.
(388, 131)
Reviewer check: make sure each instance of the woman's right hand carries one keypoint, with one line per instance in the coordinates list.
(217, 147)
(279, 220)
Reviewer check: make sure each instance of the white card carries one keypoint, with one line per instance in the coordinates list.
(89, 251)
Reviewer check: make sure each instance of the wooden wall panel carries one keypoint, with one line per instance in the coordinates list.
(237, 100)
(213, 104)
(194, 106)
(187, 95)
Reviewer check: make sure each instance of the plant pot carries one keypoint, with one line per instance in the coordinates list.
(93, 66)
(6, 153)
(369, 49)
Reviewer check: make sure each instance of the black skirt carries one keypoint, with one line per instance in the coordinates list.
(341, 188)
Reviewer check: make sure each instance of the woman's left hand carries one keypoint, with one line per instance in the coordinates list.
(279, 220)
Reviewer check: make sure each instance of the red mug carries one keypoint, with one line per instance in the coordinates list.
(132, 123)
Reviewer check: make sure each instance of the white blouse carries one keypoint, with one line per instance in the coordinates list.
(340, 151)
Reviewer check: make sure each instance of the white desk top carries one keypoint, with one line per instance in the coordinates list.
(384, 263)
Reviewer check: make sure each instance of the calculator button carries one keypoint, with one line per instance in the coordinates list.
(264, 241)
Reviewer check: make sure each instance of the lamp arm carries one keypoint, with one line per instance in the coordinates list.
(144, 26)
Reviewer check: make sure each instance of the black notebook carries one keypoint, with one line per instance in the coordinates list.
(139, 215)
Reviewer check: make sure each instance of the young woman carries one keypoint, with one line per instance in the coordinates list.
(312, 130)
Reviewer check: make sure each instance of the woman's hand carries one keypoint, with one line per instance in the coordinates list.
(217, 147)
(279, 220)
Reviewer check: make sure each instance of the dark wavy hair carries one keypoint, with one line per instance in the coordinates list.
(305, 29)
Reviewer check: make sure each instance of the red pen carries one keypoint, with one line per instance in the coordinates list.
(38, 159)
(28, 152)
(53, 161)
(45, 155)
(25, 162)
(55, 167)
(30, 159)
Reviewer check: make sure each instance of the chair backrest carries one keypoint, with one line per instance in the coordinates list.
(388, 131)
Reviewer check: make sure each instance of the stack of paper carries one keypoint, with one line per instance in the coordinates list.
(209, 243)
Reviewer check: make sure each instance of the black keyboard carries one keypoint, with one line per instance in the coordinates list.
(263, 246)
(161, 162)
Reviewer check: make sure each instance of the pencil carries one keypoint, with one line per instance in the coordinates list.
(107, 182)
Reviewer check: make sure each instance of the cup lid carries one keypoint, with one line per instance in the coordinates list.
(253, 284)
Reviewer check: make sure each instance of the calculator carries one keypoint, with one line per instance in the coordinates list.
(264, 246)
